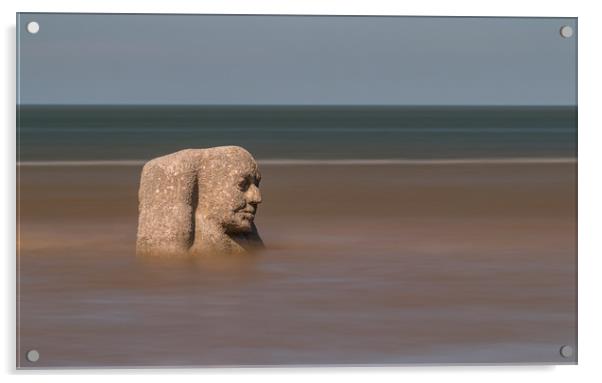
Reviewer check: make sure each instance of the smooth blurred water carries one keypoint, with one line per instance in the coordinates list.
(364, 265)
(51, 133)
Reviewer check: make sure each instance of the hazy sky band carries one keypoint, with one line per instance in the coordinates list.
(295, 60)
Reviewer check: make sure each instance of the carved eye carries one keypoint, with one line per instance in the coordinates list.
(243, 185)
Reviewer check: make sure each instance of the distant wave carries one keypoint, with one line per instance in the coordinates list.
(276, 162)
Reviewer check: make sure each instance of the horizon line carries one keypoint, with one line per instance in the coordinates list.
(300, 105)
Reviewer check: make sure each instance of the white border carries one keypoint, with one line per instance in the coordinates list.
(590, 190)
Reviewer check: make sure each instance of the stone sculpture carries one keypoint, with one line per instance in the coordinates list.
(199, 202)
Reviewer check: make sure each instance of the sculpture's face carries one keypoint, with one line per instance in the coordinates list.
(231, 195)
(243, 197)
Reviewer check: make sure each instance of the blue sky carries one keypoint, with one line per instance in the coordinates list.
(295, 60)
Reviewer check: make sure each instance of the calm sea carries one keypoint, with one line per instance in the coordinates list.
(363, 264)
(85, 133)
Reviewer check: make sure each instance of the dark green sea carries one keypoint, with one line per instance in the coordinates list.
(87, 133)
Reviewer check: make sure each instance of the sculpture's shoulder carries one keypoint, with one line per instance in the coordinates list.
(174, 173)
(183, 160)
(167, 193)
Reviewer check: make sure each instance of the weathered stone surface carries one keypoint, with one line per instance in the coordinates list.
(199, 202)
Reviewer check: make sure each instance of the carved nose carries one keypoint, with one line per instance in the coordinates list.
(254, 195)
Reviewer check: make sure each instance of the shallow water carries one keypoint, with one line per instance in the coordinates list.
(364, 265)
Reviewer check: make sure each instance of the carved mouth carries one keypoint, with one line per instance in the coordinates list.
(248, 214)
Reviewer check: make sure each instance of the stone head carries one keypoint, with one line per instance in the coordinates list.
(229, 189)
(199, 201)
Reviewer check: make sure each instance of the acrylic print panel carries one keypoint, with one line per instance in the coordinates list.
(217, 190)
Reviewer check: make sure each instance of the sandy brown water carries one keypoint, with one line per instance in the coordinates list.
(364, 264)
